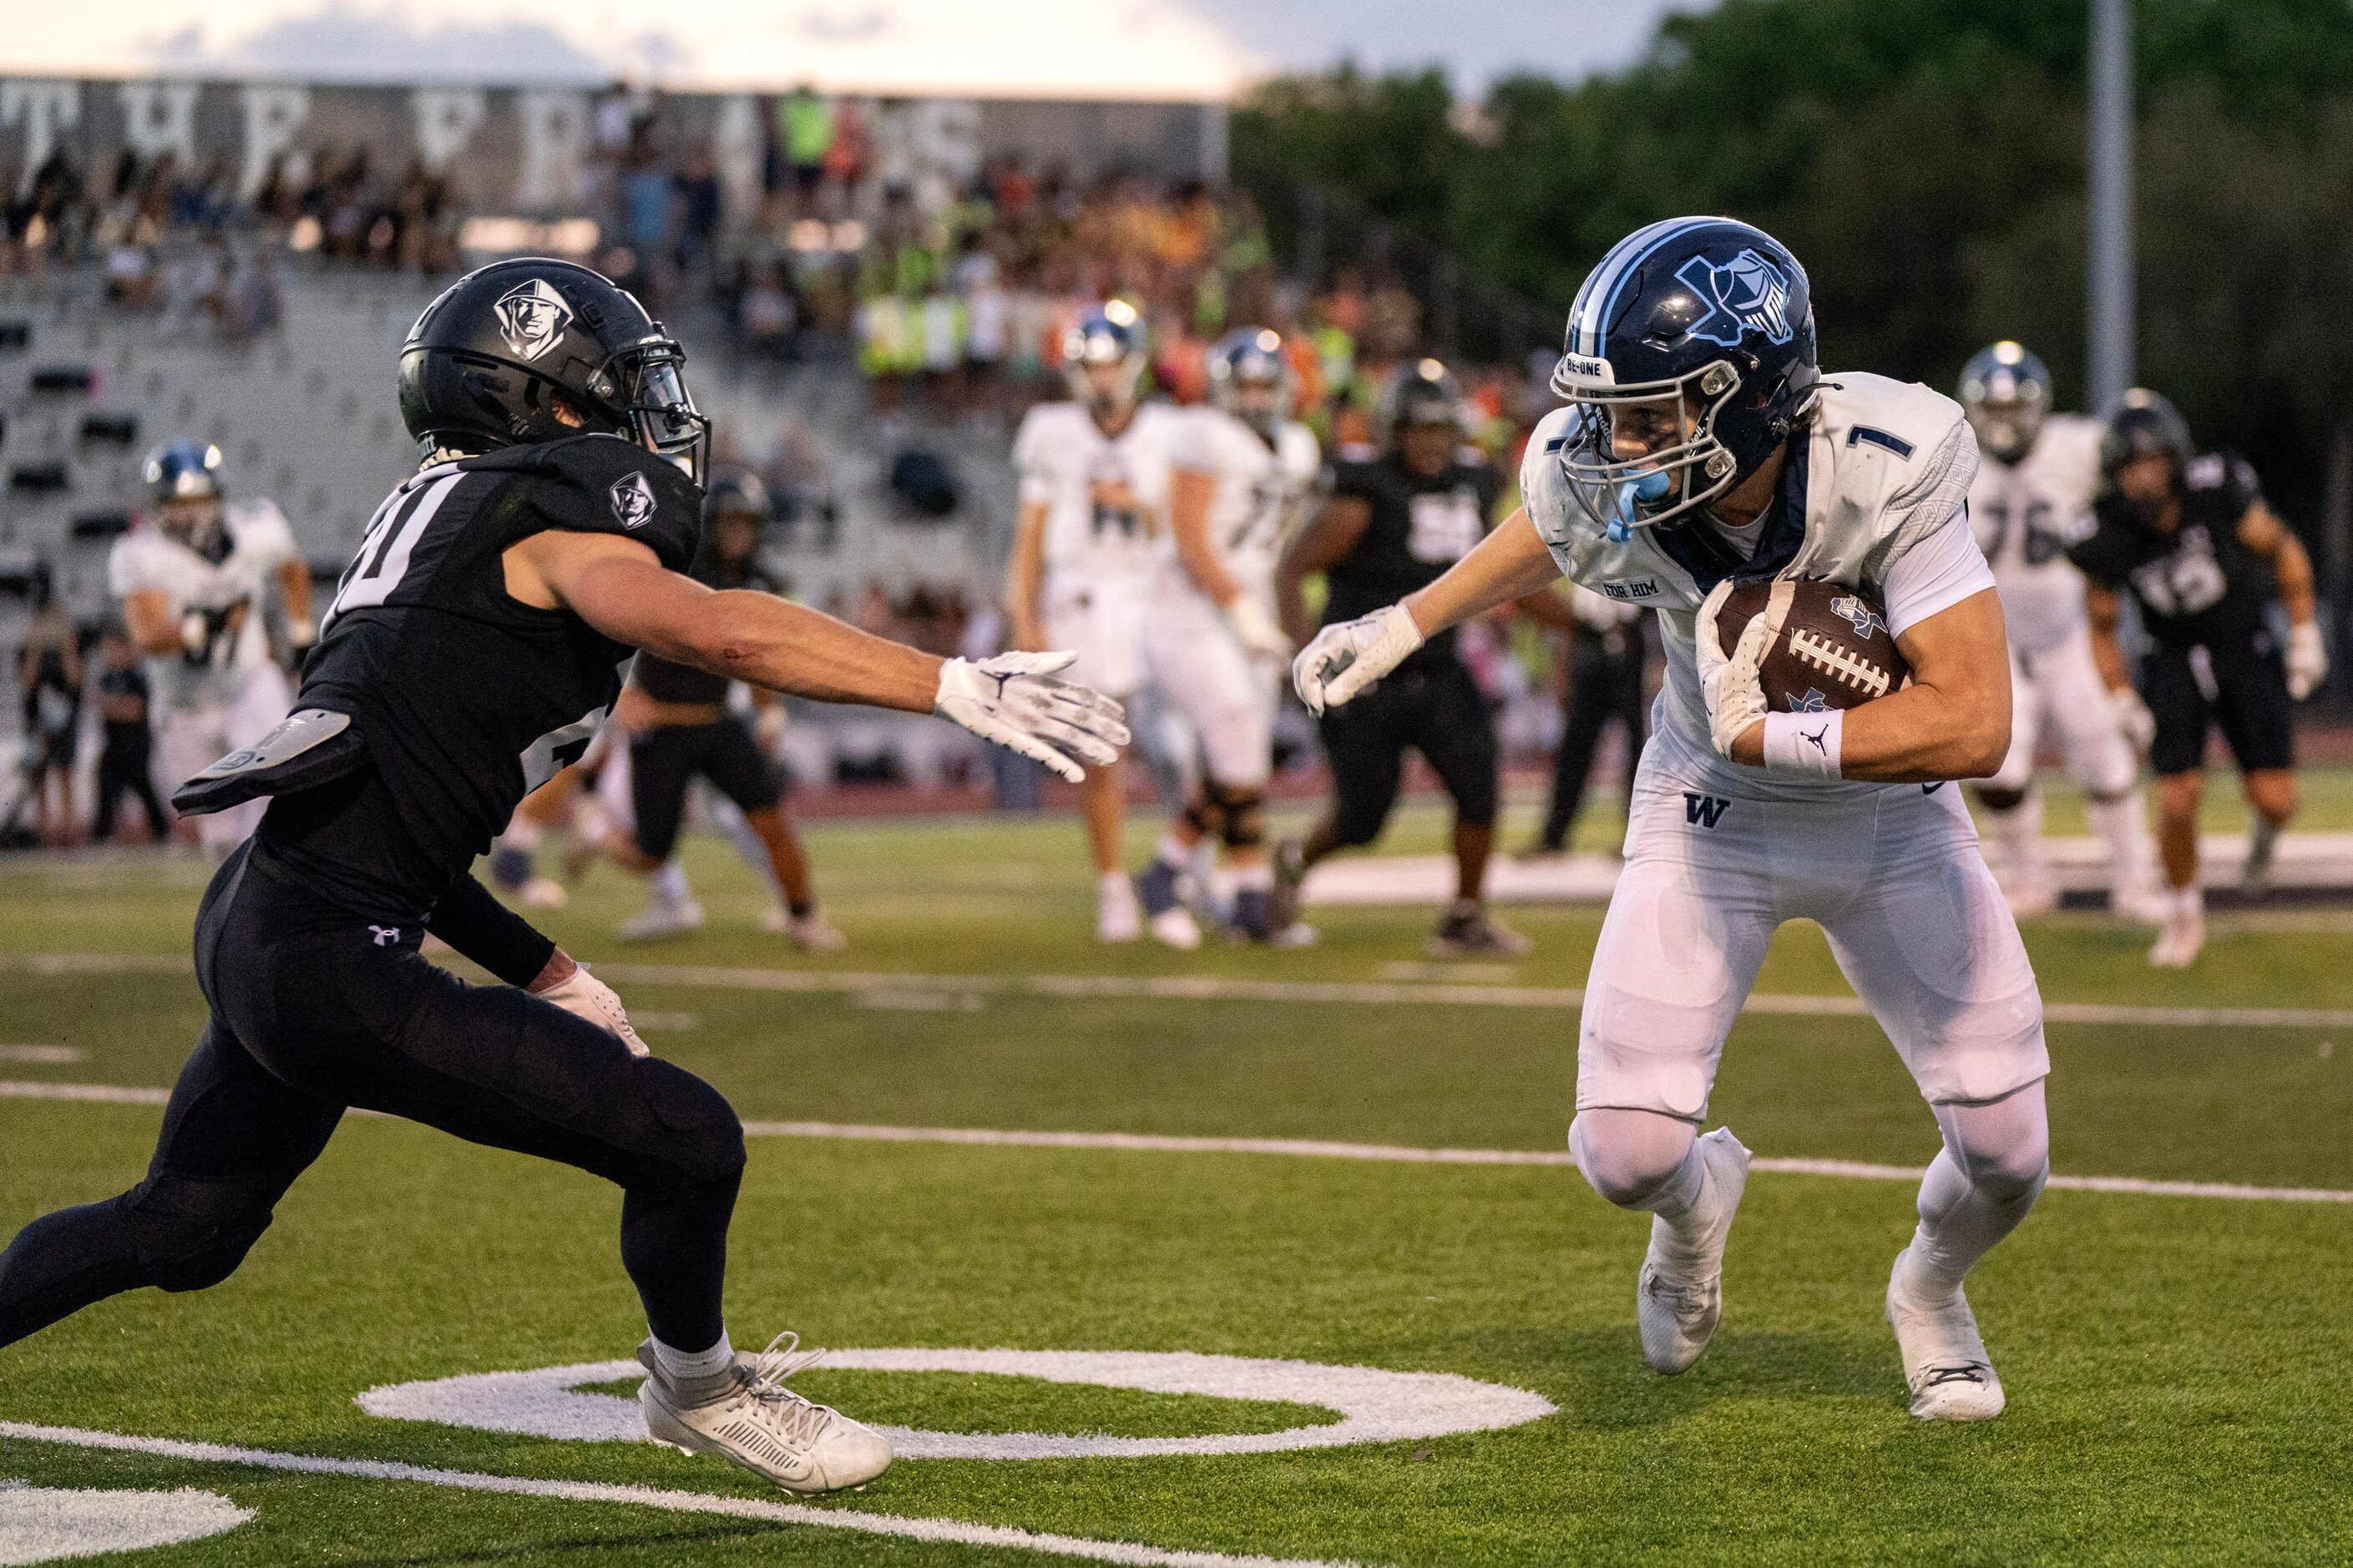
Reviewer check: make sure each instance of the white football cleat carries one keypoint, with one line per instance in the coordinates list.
(1117, 916)
(746, 1415)
(543, 893)
(659, 918)
(1945, 1360)
(2183, 935)
(1678, 1309)
(812, 932)
(1177, 928)
(2143, 903)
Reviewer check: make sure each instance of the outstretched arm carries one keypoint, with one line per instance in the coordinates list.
(617, 587)
(1324, 542)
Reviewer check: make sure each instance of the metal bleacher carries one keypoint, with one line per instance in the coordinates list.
(306, 414)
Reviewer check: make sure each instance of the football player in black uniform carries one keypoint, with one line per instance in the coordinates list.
(1391, 524)
(679, 727)
(2205, 560)
(472, 648)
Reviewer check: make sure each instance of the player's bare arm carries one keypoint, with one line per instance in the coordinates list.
(1190, 495)
(1025, 577)
(294, 598)
(1325, 542)
(2261, 532)
(617, 587)
(1951, 723)
(147, 614)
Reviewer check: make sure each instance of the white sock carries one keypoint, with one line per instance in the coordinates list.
(1172, 853)
(1249, 877)
(2189, 900)
(2132, 854)
(681, 1365)
(1982, 1181)
(522, 833)
(1111, 882)
(670, 885)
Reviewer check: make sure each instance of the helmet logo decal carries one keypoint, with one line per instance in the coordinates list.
(1747, 294)
(633, 501)
(532, 316)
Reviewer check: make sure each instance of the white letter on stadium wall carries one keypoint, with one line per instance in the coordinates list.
(554, 132)
(43, 108)
(160, 117)
(272, 116)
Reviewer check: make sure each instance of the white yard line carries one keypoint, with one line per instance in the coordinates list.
(952, 1531)
(1309, 1148)
(916, 991)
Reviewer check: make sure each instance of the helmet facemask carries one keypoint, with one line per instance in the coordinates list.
(2006, 412)
(1647, 452)
(645, 388)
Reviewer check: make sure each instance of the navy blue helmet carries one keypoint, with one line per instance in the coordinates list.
(2141, 423)
(2006, 393)
(737, 494)
(181, 469)
(1691, 359)
(1112, 334)
(1251, 357)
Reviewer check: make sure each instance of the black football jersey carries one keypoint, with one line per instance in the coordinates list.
(466, 698)
(2197, 586)
(1421, 526)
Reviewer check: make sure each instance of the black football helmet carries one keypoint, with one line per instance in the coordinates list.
(1419, 392)
(737, 494)
(485, 364)
(1693, 338)
(2141, 423)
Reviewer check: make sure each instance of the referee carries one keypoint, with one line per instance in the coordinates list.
(1391, 523)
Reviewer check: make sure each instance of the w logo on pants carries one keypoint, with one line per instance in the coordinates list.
(1704, 810)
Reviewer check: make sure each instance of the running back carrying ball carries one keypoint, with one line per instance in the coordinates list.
(1830, 647)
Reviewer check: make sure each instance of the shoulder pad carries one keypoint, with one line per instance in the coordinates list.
(1904, 419)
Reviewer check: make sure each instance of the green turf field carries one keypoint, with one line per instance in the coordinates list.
(2174, 1364)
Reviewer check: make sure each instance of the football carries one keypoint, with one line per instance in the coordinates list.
(1833, 648)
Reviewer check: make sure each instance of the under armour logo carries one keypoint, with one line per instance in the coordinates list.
(385, 936)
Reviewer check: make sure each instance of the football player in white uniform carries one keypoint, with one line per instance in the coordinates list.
(1240, 474)
(2030, 501)
(193, 579)
(1702, 444)
(1086, 544)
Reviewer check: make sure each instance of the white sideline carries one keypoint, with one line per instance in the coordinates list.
(1312, 1148)
(948, 1530)
(902, 988)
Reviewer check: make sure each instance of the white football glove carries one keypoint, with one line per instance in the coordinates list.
(1015, 701)
(1729, 681)
(2133, 719)
(2308, 659)
(584, 995)
(1255, 629)
(1346, 658)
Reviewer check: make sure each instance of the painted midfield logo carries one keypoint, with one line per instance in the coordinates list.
(1858, 614)
(532, 316)
(633, 501)
(1747, 294)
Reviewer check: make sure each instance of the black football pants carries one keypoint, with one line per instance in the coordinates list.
(314, 1010)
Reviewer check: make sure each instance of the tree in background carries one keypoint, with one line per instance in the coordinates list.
(1927, 159)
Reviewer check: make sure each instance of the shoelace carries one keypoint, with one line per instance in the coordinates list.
(1683, 1301)
(764, 1376)
(1964, 1372)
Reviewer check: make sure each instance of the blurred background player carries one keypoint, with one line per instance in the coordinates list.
(679, 728)
(2205, 561)
(1086, 544)
(49, 682)
(2030, 500)
(1240, 475)
(126, 760)
(1608, 658)
(1392, 524)
(194, 578)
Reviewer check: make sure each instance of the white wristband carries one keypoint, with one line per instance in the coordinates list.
(1803, 745)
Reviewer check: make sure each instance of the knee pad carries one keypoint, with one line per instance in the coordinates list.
(1244, 814)
(699, 1138)
(1628, 1171)
(190, 1235)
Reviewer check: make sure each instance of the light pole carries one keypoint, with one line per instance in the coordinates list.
(2110, 272)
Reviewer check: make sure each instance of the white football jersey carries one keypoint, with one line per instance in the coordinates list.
(1105, 496)
(260, 542)
(1885, 464)
(2025, 515)
(1262, 491)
